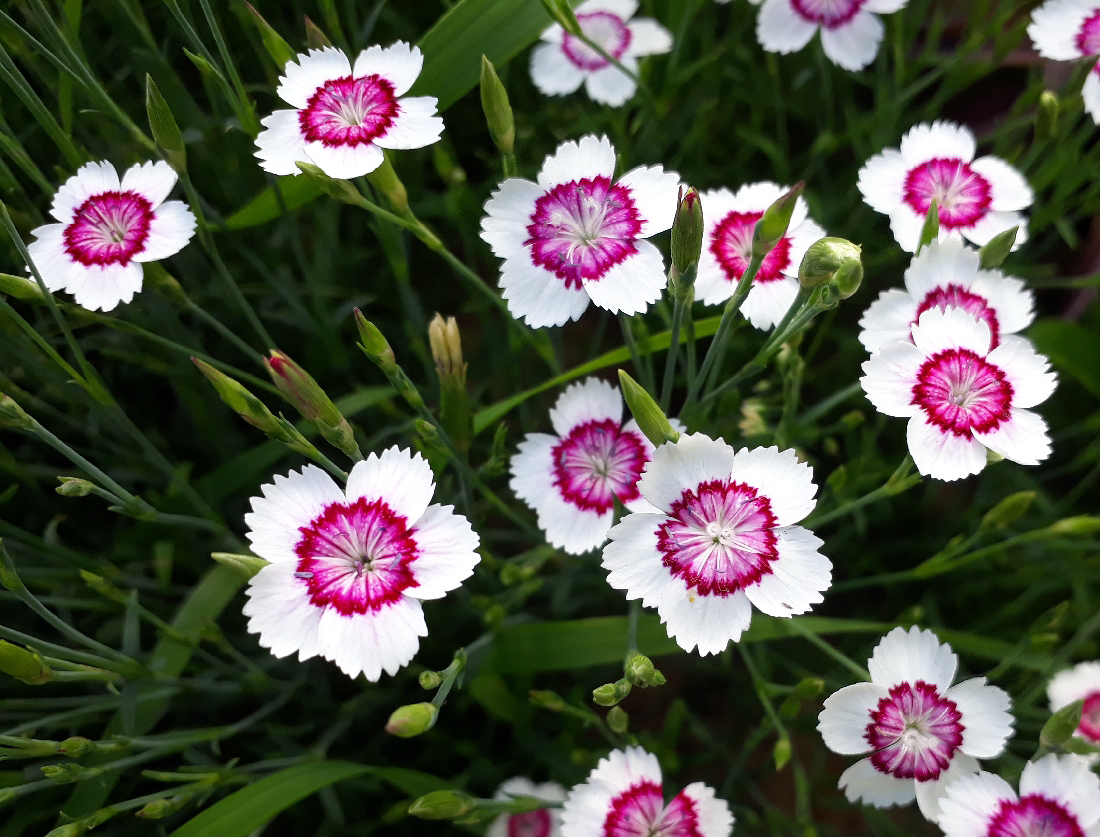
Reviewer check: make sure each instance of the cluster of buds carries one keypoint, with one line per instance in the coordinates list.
(832, 266)
(454, 402)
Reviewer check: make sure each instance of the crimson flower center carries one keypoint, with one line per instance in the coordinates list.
(719, 538)
(956, 296)
(1088, 37)
(109, 228)
(1090, 717)
(604, 28)
(914, 732)
(597, 462)
(639, 811)
(827, 13)
(581, 229)
(356, 557)
(349, 111)
(962, 393)
(731, 244)
(962, 195)
(1033, 816)
(530, 824)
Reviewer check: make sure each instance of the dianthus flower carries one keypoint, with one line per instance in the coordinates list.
(977, 199)
(572, 479)
(1082, 682)
(577, 235)
(850, 33)
(341, 117)
(722, 541)
(918, 731)
(946, 274)
(545, 822)
(565, 62)
(107, 229)
(624, 797)
(349, 568)
(729, 219)
(1059, 797)
(1065, 30)
(960, 396)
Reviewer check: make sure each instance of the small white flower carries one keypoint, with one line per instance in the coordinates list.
(959, 396)
(624, 797)
(722, 541)
(945, 275)
(977, 199)
(577, 236)
(1059, 797)
(107, 229)
(729, 219)
(545, 822)
(1082, 682)
(1064, 30)
(918, 730)
(343, 116)
(349, 568)
(573, 479)
(564, 62)
(850, 33)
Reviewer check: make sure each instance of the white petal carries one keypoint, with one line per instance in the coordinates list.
(908, 656)
(344, 162)
(1054, 27)
(1073, 684)
(653, 191)
(552, 71)
(854, 44)
(799, 575)
(538, 296)
(1066, 779)
(986, 719)
(56, 267)
(172, 227)
(633, 561)
(1012, 302)
(707, 621)
(1091, 94)
(416, 125)
(1010, 190)
(446, 555)
(714, 818)
(887, 320)
(758, 196)
(507, 214)
(633, 284)
(767, 302)
(280, 611)
(103, 287)
(532, 468)
(90, 179)
(399, 64)
(570, 527)
(884, 7)
(994, 223)
(153, 181)
(942, 263)
(1022, 439)
(971, 802)
(882, 181)
(954, 328)
(611, 86)
(780, 29)
(927, 140)
(845, 716)
(592, 399)
(301, 80)
(287, 504)
(863, 783)
(890, 374)
(398, 477)
(1026, 370)
(370, 643)
(648, 37)
(281, 144)
(942, 455)
(590, 156)
(684, 464)
(623, 9)
(779, 476)
(932, 791)
(906, 225)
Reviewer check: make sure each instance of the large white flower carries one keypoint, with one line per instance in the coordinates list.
(977, 199)
(349, 568)
(577, 235)
(1064, 30)
(624, 797)
(107, 229)
(573, 479)
(1059, 797)
(343, 116)
(947, 274)
(729, 219)
(544, 822)
(918, 730)
(960, 396)
(850, 33)
(1082, 682)
(723, 540)
(565, 62)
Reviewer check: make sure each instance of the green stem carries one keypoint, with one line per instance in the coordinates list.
(640, 369)
(899, 481)
(840, 657)
(673, 350)
(761, 688)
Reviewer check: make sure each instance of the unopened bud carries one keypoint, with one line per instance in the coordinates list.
(24, 664)
(246, 565)
(412, 720)
(237, 397)
(446, 344)
(546, 699)
(76, 747)
(430, 680)
(611, 693)
(442, 805)
(301, 390)
(454, 402)
(772, 226)
(160, 808)
(1081, 525)
(73, 829)
(651, 420)
(824, 258)
(374, 344)
(996, 250)
(74, 487)
(498, 111)
(165, 283)
(279, 50)
(1061, 726)
(640, 671)
(389, 185)
(315, 36)
(1010, 509)
(163, 125)
(781, 753)
(12, 415)
(63, 774)
(687, 234)
(617, 720)
(335, 188)
(847, 279)
(1046, 119)
(21, 287)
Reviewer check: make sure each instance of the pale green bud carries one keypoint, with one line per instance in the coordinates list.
(824, 258)
(1061, 726)
(374, 343)
(651, 420)
(442, 805)
(279, 50)
(12, 415)
(21, 287)
(773, 224)
(687, 233)
(246, 565)
(430, 680)
(617, 720)
(1010, 509)
(24, 664)
(996, 250)
(165, 130)
(610, 694)
(498, 111)
(74, 487)
(412, 720)
(388, 184)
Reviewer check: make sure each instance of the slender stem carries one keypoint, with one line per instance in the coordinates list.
(640, 368)
(673, 351)
(761, 688)
(899, 481)
(457, 666)
(632, 628)
(839, 656)
(823, 406)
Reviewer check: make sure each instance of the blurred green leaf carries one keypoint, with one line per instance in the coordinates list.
(1072, 348)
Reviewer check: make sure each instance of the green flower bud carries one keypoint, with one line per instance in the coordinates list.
(160, 808)
(24, 664)
(1046, 119)
(279, 50)
(340, 190)
(165, 130)
(238, 398)
(931, 228)
(546, 700)
(781, 753)
(454, 402)
(824, 258)
(73, 829)
(315, 37)
(374, 344)
(64, 774)
(498, 111)
(388, 184)
(617, 720)
(993, 254)
(430, 680)
(773, 224)
(847, 279)
(611, 693)
(21, 287)
(12, 415)
(1010, 509)
(76, 747)
(652, 421)
(74, 487)
(246, 565)
(687, 232)
(639, 670)
(1081, 525)
(442, 805)
(301, 390)
(103, 587)
(412, 720)
(1061, 726)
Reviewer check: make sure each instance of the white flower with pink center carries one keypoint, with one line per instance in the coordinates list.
(850, 30)
(722, 540)
(918, 731)
(349, 568)
(1059, 797)
(107, 229)
(573, 479)
(624, 797)
(1065, 30)
(544, 822)
(578, 236)
(1082, 682)
(342, 117)
(977, 199)
(729, 219)
(947, 274)
(960, 395)
(564, 62)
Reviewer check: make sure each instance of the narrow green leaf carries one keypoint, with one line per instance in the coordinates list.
(931, 227)
(279, 50)
(162, 124)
